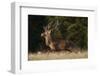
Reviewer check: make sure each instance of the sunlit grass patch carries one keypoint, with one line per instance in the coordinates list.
(57, 55)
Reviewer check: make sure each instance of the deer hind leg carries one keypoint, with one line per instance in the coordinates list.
(68, 50)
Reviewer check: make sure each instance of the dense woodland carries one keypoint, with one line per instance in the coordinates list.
(71, 29)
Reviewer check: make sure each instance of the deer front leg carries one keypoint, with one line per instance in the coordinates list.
(52, 46)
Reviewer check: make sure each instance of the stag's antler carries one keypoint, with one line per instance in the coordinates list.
(49, 26)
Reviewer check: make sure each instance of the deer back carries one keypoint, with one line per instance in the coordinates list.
(60, 44)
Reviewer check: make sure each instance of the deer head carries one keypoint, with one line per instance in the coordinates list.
(47, 36)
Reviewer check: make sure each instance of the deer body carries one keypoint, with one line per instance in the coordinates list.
(57, 44)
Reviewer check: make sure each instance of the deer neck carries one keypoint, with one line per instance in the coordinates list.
(48, 40)
(50, 43)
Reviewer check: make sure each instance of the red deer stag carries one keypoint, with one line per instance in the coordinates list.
(54, 45)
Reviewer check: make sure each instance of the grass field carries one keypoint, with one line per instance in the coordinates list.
(57, 55)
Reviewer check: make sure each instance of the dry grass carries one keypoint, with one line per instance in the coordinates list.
(57, 55)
